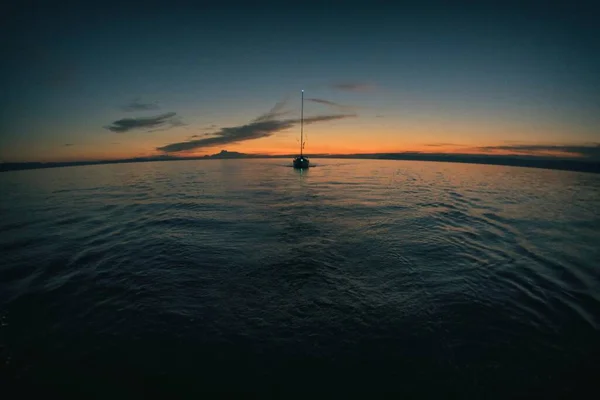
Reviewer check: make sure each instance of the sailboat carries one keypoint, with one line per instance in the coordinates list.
(301, 161)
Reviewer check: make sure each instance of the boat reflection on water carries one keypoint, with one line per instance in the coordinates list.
(302, 171)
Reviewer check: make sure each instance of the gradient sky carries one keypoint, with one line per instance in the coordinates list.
(117, 80)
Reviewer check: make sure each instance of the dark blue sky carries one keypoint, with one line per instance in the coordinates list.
(467, 76)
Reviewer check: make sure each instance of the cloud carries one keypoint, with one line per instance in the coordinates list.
(329, 103)
(590, 151)
(197, 136)
(323, 118)
(379, 116)
(354, 87)
(263, 126)
(253, 130)
(68, 144)
(332, 104)
(276, 111)
(136, 105)
(163, 121)
(172, 123)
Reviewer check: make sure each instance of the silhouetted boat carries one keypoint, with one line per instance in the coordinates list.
(301, 161)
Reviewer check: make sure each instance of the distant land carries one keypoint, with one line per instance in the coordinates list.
(580, 165)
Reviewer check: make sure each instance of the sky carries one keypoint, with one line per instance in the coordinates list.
(110, 80)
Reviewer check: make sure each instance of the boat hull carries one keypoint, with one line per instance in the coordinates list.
(301, 162)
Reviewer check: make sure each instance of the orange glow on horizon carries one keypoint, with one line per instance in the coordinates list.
(328, 150)
(342, 137)
(104, 154)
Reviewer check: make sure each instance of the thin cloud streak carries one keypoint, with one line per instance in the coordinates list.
(172, 123)
(590, 151)
(163, 121)
(197, 136)
(331, 104)
(263, 126)
(327, 102)
(276, 111)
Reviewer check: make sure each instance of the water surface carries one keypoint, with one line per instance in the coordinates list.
(431, 279)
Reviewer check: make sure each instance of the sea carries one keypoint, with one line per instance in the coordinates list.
(353, 277)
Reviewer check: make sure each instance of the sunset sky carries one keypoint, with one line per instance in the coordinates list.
(105, 81)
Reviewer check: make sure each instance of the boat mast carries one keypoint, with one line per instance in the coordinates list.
(302, 124)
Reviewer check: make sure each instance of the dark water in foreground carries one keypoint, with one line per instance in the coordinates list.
(420, 278)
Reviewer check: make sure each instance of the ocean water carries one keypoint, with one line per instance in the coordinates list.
(420, 278)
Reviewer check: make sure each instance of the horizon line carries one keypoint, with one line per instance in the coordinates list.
(578, 164)
(165, 156)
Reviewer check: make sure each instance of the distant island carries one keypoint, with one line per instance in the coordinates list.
(581, 165)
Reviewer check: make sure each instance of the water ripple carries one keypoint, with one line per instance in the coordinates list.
(476, 280)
